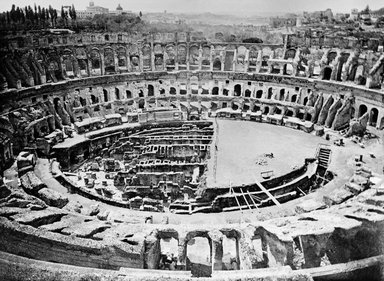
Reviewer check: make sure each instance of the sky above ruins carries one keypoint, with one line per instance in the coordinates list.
(245, 7)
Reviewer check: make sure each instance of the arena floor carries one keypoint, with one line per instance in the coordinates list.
(241, 147)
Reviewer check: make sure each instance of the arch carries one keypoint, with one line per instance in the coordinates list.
(105, 93)
(289, 113)
(259, 94)
(128, 93)
(256, 108)
(327, 73)
(266, 110)
(106, 37)
(169, 252)
(270, 93)
(94, 99)
(247, 93)
(362, 110)
(141, 93)
(294, 98)
(373, 116)
(109, 61)
(83, 101)
(162, 91)
(230, 253)
(117, 94)
(308, 116)
(237, 90)
(305, 101)
(215, 91)
(141, 104)
(151, 90)
(288, 69)
(217, 64)
(277, 110)
(225, 92)
(121, 57)
(95, 59)
(172, 91)
(235, 106)
(198, 250)
(381, 126)
(282, 94)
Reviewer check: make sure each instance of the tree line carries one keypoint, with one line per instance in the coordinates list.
(19, 18)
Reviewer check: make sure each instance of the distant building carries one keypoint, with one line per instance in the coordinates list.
(92, 10)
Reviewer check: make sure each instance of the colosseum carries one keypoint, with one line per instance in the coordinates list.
(171, 157)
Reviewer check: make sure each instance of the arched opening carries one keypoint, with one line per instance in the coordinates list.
(305, 101)
(282, 94)
(162, 91)
(141, 94)
(381, 123)
(237, 90)
(169, 252)
(105, 93)
(259, 94)
(106, 37)
(245, 107)
(288, 69)
(373, 116)
(308, 117)
(151, 91)
(217, 65)
(266, 110)
(277, 110)
(198, 252)
(289, 113)
(225, 92)
(172, 91)
(129, 94)
(94, 99)
(270, 93)
(56, 102)
(141, 104)
(117, 94)
(256, 108)
(235, 106)
(327, 73)
(83, 101)
(293, 98)
(362, 110)
(230, 253)
(247, 93)
(215, 91)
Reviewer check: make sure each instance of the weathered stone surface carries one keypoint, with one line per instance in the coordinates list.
(73, 206)
(152, 251)
(92, 210)
(4, 191)
(324, 110)
(31, 183)
(53, 198)
(309, 205)
(358, 127)
(38, 218)
(332, 112)
(86, 229)
(343, 115)
(337, 196)
(65, 222)
(103, 216)
(317, 108)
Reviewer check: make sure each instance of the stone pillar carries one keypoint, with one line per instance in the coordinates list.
(153, 68)
(217, 249)
(177, 57)
(200, 57)
(222, 57)
(187, 60)
(234, 60)
(102, 63)
(246, 61)
(211, 59)
(115, 60)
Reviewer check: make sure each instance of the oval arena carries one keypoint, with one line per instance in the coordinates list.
(123, 156)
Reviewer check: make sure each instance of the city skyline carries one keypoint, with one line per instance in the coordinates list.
(243, 7)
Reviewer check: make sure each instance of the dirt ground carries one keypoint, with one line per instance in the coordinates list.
(241, 149)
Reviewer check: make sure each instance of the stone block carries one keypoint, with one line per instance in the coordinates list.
(53, 198)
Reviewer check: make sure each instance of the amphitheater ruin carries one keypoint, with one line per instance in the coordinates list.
(167, 157)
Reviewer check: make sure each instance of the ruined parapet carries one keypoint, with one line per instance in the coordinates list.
(359, 126)
(332, 112)
(343, 115)
(324, 110)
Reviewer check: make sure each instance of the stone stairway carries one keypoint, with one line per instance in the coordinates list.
(323, 154)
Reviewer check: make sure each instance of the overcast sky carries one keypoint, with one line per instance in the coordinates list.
(246, 7)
